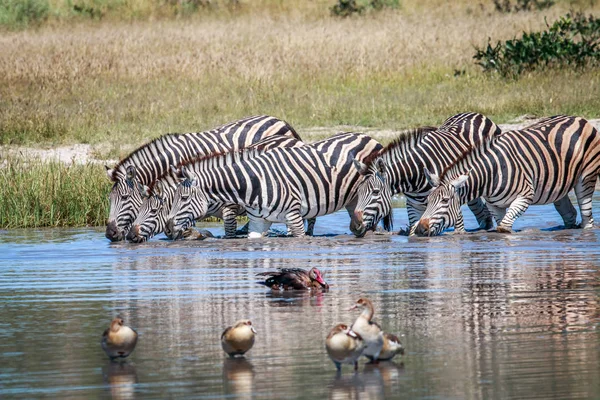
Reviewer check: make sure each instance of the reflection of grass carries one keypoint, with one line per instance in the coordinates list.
(125, 83)
(35, 194)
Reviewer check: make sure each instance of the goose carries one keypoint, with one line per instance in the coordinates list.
(294, 278)
(119, 340)
(367, 329)
(236, 340)
(344, 346)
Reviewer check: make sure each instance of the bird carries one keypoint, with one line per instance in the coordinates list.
(236, 340)
(391, 347)
(344, 346)
(119, 340)
(294, 278)
(367, 329)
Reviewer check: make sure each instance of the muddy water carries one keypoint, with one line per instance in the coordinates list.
(481, 315)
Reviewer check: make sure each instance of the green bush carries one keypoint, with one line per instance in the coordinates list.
(18, 13)
(572, 41)
(346, 8)
(506, 6)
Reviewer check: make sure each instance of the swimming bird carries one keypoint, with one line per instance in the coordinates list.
(370, 332)
(238, 339)
(294, 278)
(119, 340)
(344, 346)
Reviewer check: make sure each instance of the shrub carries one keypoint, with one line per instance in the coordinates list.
(573, 40)
(506, 6)
(18, 13)
(346, 8)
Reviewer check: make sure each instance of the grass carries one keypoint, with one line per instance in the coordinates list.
(139, 72)
(35, 193)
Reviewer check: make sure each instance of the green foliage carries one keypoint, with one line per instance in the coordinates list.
(35, 193)
(19, 13)
(506, 6)
(346, 8)
(572, 41)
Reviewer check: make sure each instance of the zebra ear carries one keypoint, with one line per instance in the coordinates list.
(158, 188)
(460, 181)
(176, 172)
(130, 172)
(109, 172)
(381, 170)
(144, 190)
(360, 166)
(432, 178)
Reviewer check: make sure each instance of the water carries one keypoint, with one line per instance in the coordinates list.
(482, 315)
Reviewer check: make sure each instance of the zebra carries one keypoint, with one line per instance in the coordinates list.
(536, 165)
(157, 197)
(280, 185)
(148, 162)
(427, 147)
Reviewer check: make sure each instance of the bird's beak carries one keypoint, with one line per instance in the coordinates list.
(354, 307)
(253, 330)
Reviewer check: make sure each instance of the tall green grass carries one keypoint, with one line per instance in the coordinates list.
(34, 193)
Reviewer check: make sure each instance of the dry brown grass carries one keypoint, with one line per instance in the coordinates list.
(89, 83)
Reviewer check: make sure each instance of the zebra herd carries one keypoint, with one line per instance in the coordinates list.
(259, 167)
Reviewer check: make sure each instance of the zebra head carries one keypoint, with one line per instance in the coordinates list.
(189, 203)
(152, 216)
(374, 198)
(443, 205)
(125, 201)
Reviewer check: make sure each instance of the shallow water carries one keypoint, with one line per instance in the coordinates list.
(481, 315)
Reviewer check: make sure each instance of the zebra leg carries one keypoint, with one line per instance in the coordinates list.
(497, 212)
(567, 212)
(483, 215)
(415, 210)
(310, 223)
(459, 225)
(295, 223)
(516, 209)
(584, 189)
(229, 220)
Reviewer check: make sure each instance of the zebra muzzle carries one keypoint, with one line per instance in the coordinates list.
(422, 228)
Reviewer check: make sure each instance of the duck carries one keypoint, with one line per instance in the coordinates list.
(119, 340)
(368, 329)
(344, 346)
(237, 339)
(391, 347)
(294, 278)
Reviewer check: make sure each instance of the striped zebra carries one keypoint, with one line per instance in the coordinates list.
(280, 185)
(434, 149)
(157, 197)
(147, 163)
(536, 165)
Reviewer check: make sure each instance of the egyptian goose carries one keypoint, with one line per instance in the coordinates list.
(344, 346)
(238, 339)
(391, 347)
(294, 278)
(119, 340)
(370, 332)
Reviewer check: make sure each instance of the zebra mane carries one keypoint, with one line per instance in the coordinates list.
(122, 164)
(404, 142)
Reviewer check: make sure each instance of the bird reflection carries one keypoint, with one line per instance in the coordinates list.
(376, 381)
(238, 377)
(122, 378)
(283, 298)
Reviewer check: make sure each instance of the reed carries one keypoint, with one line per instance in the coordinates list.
(36, 193)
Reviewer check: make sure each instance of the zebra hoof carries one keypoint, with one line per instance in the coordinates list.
(503, 229)
(404, 231)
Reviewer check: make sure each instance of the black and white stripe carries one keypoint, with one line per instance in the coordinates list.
(429, 148)
(280, 185)
(536, 165)
(157, 197)
(147, 163)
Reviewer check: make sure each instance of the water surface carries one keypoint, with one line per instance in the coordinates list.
(482, 315)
